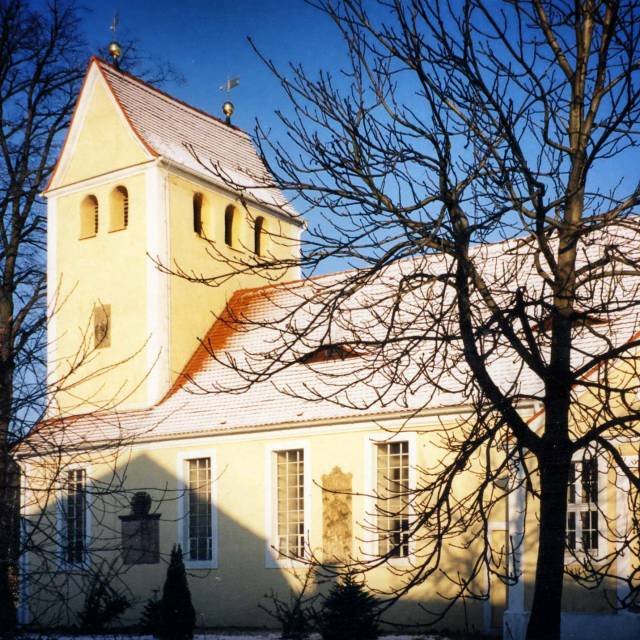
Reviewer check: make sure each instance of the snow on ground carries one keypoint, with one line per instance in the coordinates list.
(227, 636)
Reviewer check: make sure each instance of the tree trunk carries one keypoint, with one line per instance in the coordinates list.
(8, 513)
(544, 623)
(8, 543)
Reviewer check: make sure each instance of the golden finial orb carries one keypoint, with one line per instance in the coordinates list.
(115, 51)
(227, 109)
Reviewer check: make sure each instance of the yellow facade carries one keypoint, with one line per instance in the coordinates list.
(90, 272)
(227, 594)
(195, 306)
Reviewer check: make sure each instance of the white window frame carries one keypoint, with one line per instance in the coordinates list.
(273, 559)
(183, 521)
(370, 539)
(580, 507)
(61, 520)
(624, 560)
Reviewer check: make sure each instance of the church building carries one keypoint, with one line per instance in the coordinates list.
(156, 436)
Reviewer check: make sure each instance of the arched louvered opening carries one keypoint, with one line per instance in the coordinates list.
(89, 217)
(198, 223)
(119, 209)
(229, 222)
(258, 232)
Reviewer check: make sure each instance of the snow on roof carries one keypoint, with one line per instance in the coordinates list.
(212, 394)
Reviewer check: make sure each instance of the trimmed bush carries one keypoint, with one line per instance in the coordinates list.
(177, 616)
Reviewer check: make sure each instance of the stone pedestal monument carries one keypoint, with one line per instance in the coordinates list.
(140, 532)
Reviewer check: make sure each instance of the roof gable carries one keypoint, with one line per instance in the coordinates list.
(100, 138)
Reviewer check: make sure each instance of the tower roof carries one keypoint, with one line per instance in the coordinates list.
(188, 137)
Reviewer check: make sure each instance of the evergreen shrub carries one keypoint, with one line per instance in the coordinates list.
(177, 616)
(150, 617)
(349, 612)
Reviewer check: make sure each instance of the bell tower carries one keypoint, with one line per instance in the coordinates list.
(130, 200)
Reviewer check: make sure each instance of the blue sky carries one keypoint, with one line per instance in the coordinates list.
(206, 41)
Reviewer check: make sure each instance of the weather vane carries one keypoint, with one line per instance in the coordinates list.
(115, 50)
(227, 107)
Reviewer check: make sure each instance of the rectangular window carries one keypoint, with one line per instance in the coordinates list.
(102, 326)
(199, 534)
(392, 490)
(582, 510)
(290, 524)
(75, 517)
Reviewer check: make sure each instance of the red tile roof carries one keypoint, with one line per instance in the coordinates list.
(257, 338)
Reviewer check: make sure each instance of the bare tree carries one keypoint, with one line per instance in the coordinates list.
(41, 65)
(473, 170)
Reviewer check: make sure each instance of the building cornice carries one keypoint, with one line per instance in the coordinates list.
(203, 180)
(99, 180)
(392, 422)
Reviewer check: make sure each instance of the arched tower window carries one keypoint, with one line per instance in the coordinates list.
(89, 217)
(258, 230)
(197, 214)
(229, 215)
(119, 209)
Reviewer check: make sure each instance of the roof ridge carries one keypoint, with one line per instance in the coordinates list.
(316, 278)
(398, 262)
(164, 94)
(287, 283)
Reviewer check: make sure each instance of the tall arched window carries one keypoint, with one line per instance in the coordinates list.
(229, 216)
(89, 217)
(258, 229)
(197, 214)
(119, 209)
